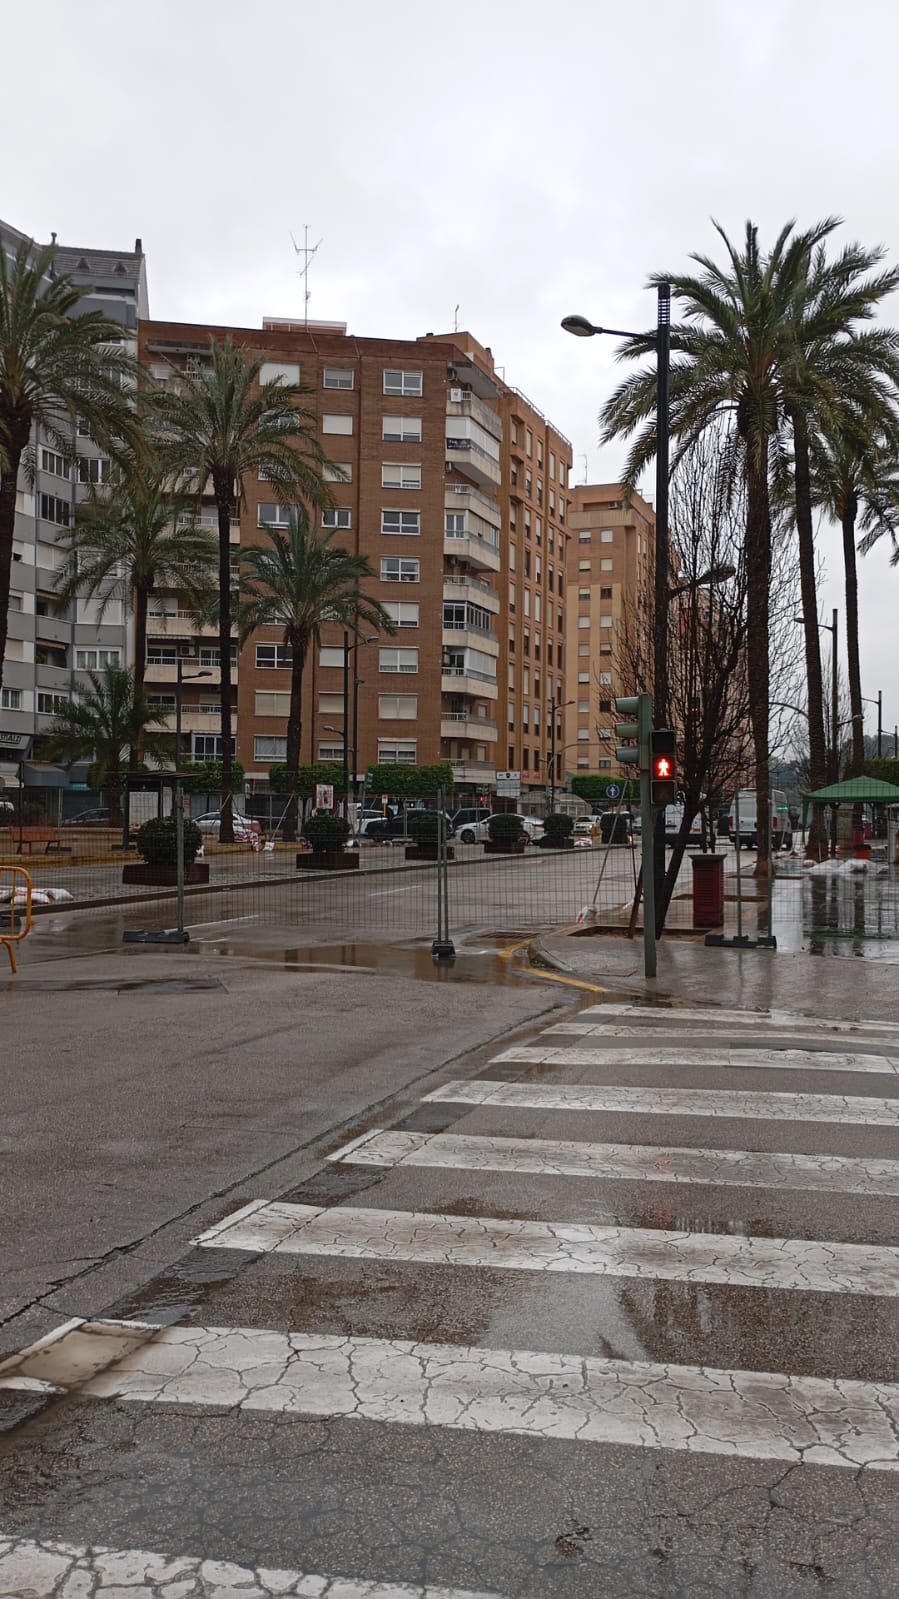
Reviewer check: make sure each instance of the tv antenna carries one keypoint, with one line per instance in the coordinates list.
(456, 320)
(307, 251)
(584, 459)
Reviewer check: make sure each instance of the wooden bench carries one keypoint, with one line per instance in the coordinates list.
(37, 834)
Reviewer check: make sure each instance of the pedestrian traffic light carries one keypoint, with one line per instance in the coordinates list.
(663, 766)
(634, 752)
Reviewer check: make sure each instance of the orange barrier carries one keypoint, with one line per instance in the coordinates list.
(15, 935)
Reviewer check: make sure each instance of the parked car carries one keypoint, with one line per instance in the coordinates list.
(469, 815)
(585, 827)
(98, 817)
(390, 829)
(244, 828)
(781, 820)
(7, 806)
(478, 832)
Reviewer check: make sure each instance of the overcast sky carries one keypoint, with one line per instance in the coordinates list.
(517, 159)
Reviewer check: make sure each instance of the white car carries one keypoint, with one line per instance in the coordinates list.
(479, 832)
(584, 827)
(244, 828)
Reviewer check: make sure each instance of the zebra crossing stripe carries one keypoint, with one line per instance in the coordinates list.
(554, 1157)
(747, 1038)
(712, 1102)
(528, 1393)
(431, 1238)
(793, 1060)
(778, 1019)
(29, 1567)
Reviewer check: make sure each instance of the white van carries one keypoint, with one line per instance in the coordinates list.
(781, 824)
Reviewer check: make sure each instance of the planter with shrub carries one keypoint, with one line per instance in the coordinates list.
(557, 831)
(615, 827)
(423, 830)
(507, 836)
(326, 835)
(157, 842)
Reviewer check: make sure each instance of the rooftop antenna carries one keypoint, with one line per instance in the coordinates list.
(307, 251)
(584, 459)
(456, 320)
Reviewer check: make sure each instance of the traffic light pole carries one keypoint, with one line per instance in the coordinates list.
(637, 752)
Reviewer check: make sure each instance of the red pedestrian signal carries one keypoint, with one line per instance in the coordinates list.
(663, 766)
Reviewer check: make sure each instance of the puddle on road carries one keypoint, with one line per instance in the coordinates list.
(487, 965)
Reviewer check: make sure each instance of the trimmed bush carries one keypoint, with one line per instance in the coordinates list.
(157, 841)
(505, 828)
(556, 825)
(423, 826)
(326, 834)
(615, 827)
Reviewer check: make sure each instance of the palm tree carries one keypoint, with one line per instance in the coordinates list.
(299, 582)
(132, 538)
(221, 424)
(104, 723)
(54, 364)
(750, 343)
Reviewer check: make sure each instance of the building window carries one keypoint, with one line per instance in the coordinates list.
(396, 382)
(340, 517)
(406, 522)
(398, 569)
(584, 536)
(511, 716)
(606, 564)
(583, 734)
(341, 423)
(583, 594)
(211, 656)
(10, 699)
(397, 660)
(605, 594)
(398, 707)
(329, 704)
(401, 429)
(48, 704)
(272, 703)
(396, 476)
(397, 751)
(583, 649)
(583, 677)
(92, 469)
(337, 471)
(583, 622)
(54, 463)
(583, 762)
(605, 621)
(338, 377)
(273, 655)
(402, 613)
(606, 536)
(268, 515)
(331, 655)
(268, 747)
(96, 660)
(208, 746)
(583, 707)
(55, 510)
(606, 764)
(605, 677)
(529, 442)
(279, 372)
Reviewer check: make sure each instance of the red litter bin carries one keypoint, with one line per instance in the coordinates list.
(708, 890)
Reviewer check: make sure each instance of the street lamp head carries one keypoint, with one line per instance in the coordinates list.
(579, 326)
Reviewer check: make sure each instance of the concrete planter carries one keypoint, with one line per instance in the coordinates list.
(555, 843)
(427, 852)
(492, 847)
(334, 860)
(165, 876)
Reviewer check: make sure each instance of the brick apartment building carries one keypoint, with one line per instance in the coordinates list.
(456, 490)
(610, 572)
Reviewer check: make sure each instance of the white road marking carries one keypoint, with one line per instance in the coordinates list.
(383, 893)
(814, 1036)
(426, 1237)
(538, 1394)
(223, 921)
(31, 1568)
(742, 1168)
(746, 1018)
(715, 1102)
(793, 1060)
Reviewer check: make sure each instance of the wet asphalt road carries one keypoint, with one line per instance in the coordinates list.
(548, 1343)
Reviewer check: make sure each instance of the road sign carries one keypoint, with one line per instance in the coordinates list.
(508, 785)
(613, 791)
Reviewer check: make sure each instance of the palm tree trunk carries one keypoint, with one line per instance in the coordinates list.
(141, 603)
(758, 587)
(856, 704)
(294, 736)
(817, 743)
(224, 491)
(7, 533)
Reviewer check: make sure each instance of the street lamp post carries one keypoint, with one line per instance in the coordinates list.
(179, 680)
(831, 628)
(555, 709)
(371, 638)
(879, 703)
(581, 328)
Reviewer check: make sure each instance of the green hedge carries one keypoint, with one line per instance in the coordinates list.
(410, 782)
(308, 777)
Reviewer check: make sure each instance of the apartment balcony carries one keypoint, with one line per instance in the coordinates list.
(470, 638)
(156, 673)
(469, 546)
(180, 625)
(192, 722)
(52, 630)
(462, 724)
(483, 773)
(209, 521)
(456, 587)
(466, 451)
(461, 402)
(458, 680)
(465, 497)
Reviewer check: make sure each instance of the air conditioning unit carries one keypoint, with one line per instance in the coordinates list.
(456, 396)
